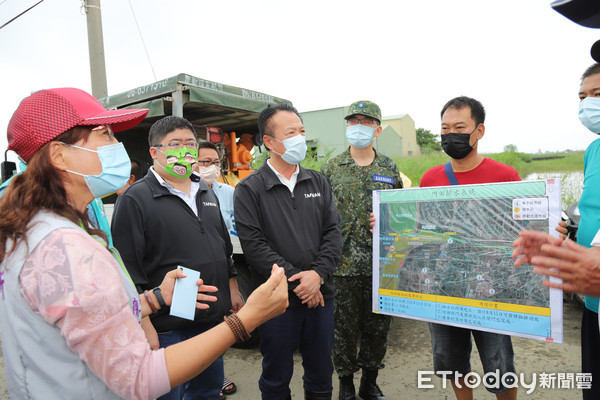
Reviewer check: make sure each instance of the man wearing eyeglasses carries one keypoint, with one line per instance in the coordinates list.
(209, 169)
(171, 218)
(353, 175)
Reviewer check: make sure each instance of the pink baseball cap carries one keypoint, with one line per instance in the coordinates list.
(46, 114)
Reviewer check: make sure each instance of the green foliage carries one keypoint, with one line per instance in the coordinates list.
(427, 141)
(259, 158)
(311, 161)
(510, 148)
(514, 159)
(525, 164)
(568, 197)
(415, 167)
(571, 161)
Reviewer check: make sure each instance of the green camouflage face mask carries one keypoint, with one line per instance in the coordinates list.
(180, 162)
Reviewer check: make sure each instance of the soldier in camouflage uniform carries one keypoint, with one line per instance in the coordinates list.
(353, 175)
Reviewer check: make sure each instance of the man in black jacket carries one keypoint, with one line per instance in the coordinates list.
(286, 214)
(165, 220)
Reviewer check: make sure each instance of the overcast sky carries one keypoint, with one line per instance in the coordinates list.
(520, 58)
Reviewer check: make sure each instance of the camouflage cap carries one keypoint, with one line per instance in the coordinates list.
(364, 107)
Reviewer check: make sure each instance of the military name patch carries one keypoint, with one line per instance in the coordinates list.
(384, 179)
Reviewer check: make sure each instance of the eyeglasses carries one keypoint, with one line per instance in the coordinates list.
(362, 121)
(207, 163)
(104, 128)
(179, 145)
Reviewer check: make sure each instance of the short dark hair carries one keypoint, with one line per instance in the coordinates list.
(591, 70)
(166, 125)
(136, 169)
(264, 119)
(209, 145)
(477, 110)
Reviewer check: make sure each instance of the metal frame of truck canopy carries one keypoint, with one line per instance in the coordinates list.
(202, 102)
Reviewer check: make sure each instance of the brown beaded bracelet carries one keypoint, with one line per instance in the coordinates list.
(237, 327)
(150, 302)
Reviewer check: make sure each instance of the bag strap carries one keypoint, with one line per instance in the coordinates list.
(450, 173)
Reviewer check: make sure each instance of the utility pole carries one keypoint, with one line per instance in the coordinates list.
(96, 48)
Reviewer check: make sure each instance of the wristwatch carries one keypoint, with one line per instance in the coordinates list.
(159, 298)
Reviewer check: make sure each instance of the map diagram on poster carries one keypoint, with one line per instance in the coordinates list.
(443, 255)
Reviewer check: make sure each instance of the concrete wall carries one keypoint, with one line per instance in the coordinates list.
(405, 127)
(326, 129)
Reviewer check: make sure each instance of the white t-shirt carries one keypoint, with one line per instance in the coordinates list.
(596, 239)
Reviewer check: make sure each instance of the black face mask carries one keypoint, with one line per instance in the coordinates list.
(457, 145)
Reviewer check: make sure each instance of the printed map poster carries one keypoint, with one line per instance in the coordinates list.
(443, 255)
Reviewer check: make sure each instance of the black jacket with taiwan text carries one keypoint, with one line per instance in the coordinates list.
(299, 231)
(155, 231)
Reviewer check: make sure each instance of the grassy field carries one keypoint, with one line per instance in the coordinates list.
(415, 167)
(525, 164)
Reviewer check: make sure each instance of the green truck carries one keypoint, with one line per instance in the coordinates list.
(225, 115)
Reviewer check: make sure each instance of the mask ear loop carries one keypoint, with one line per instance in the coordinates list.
(476, 140)
(273, 151)
(156, 159)
(80, 148)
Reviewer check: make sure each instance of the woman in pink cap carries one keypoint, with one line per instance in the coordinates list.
(69, 311)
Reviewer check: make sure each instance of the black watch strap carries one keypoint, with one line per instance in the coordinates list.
(159, 298)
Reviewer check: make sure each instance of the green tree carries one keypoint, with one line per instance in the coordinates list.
(427, 141)
(510, 148)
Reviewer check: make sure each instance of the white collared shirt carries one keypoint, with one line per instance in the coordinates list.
(189, 200)
(290, 183)
(596, 240)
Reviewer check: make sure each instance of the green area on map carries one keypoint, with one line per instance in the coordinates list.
(459, 247)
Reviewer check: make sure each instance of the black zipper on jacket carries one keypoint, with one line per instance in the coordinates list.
(299, 224)
(189, 210)
(200, 222)
(199, 208)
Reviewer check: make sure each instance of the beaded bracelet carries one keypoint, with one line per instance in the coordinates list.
(150, 302)
(236, 325)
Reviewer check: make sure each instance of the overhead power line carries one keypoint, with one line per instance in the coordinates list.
(143, 43)
(20, 14)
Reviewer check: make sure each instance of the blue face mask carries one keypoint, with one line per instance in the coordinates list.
(295, 149)
(589, 113)
(359, 135)
(116, 169)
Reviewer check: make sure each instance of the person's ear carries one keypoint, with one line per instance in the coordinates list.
(153, 152)
(58, 156)
(480, 131)
(377, 131)
(267, 145)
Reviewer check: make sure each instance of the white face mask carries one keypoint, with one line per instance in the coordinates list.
(589, 113)
(295, 149)
(209, 174)
(116, 169)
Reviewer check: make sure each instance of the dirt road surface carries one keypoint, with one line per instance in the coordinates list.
(410, 351)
